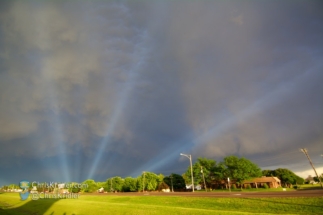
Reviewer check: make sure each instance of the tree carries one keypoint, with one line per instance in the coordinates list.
(219, 174)
(118, 183)
(186, 178)
(268, 173)
(240, 169)
(151, 186)
(74, 187)
(160, 178)
(287, 177)
(90, 187)
(299, 180)
(316, 179)
(149, 180)
(109, 185)
(176, 180)
(208, 166)
(114, 184)
(130, 184)
(13, 186)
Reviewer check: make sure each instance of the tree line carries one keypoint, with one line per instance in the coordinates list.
(147, 181)
(237, 170)
(214, 174)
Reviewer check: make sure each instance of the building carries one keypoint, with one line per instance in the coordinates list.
(272, 182)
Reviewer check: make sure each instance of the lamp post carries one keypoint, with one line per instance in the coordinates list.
(190, 157)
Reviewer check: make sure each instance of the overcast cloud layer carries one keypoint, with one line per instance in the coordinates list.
(102, 88)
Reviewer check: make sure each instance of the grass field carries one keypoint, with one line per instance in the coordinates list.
(10, 203)
(309, 186)
(251, 190)
(299, 187)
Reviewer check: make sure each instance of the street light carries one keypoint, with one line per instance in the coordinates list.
(190, 157)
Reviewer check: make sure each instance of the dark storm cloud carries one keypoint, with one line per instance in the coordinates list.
(142, 81)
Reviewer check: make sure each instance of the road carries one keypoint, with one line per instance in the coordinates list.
(282, 194)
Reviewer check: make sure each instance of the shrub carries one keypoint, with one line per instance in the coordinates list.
(248, 186)
(266, 186)
(233, 186)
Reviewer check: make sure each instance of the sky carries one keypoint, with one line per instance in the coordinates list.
(96, 89)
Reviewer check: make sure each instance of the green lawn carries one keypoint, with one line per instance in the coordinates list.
(299, 187)
(309, 186)
(251, 190)
(107, 204)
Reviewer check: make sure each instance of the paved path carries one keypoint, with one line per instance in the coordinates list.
(299, 193)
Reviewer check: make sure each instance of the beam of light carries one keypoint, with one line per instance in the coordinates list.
(59, 135)
(166, 156)
(140, 50)
(267, 101)
(54, 103)
(38, 49)
(76, 163)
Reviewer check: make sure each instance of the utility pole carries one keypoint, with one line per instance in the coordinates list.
(111, 185)
(171, 180)
(143, 182)
(203, 178)
(304, 150)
